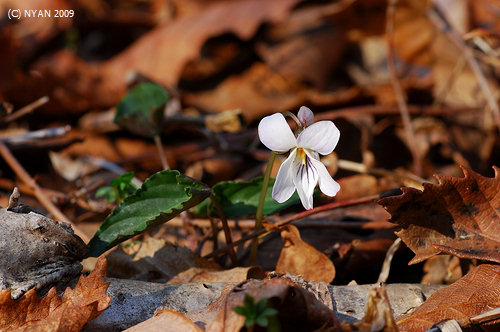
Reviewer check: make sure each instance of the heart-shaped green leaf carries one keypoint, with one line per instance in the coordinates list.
(240, 199)
(162, 197)
(141, 111)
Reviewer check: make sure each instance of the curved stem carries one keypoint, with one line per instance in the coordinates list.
(294, 118)
(260, 207)
(225, 227)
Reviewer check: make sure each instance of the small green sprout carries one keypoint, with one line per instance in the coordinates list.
(120, 188)
(257, 313)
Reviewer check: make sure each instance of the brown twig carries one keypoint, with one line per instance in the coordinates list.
(403, 107)
(40, 195)
(438, 19)
(250, 223)
(225, 227)
(301, 215)
(25, 110)
(161, 152)
(386, 266)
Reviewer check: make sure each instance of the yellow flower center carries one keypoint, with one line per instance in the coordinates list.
(303, 156)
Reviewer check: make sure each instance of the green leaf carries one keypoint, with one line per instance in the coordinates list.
(240, 199)
(122, 179)
(162, 197)
(107, 192)
(261, 321)
(241, 311)
(269, 312)
(141, 111)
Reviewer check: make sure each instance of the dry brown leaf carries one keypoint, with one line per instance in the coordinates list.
(94, 145)
(162, 54)
(258, 91)
(300, 258)
(459, 216)
(166, 321)
(477, 292)
(71, 84)
(301, 46)
(356, 186)
(54, 313)
(237, 274)
(298, 309)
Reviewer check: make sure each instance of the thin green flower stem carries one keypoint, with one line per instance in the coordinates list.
(298, 216)
(260, 208)
(225, 227)
(161, 152)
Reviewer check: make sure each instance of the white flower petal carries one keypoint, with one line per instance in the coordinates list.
(306, 200)
(327, 185)
(305, 178)
(321, 136)
(306, 116)
(284, 187)
(275, 133)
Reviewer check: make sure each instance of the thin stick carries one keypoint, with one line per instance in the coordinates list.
(161, 152)
(37, 134)
(213, 225)
(386, 266)
(437, 18)
(403, 107)
(225, 227)
(40, 195)
(361, 168)
(250, 223)
(26, 109)
(301, 215)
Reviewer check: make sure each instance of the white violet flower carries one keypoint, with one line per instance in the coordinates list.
(302, 170)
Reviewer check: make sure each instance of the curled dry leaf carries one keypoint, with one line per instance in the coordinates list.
(54, 313)
(459, 216)
(378, 313)
(477, 292)
(300, 258)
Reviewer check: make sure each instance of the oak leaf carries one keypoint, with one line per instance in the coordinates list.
(55, 313)
(477, 292)
(458, 216)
